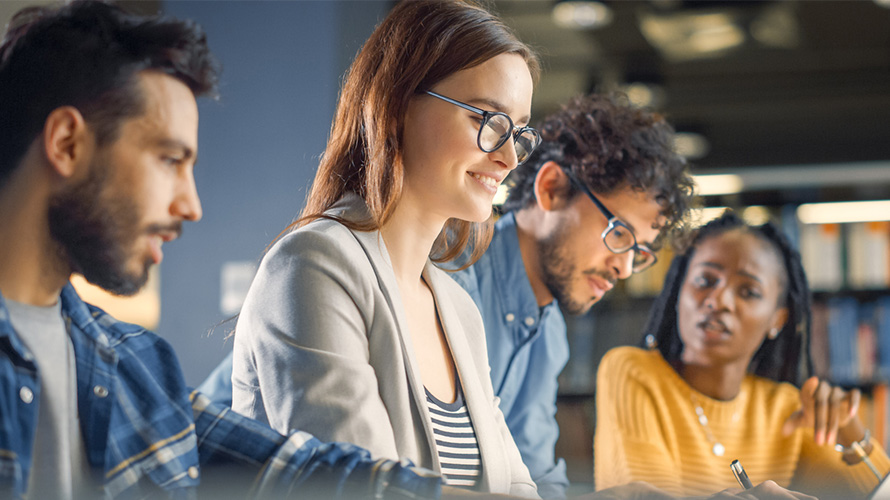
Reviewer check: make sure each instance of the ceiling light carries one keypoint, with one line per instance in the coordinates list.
(581, 14)
(847, 211)
(682, 36)
(883, 3)
(756, 215)
(644, 95)
(691, 145)
(711, 185)
(701, 216)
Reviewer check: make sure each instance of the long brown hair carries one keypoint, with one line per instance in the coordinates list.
(420, 43)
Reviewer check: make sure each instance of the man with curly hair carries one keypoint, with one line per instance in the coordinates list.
(590, 207)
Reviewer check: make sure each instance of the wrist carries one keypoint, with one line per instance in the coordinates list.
(855, 450)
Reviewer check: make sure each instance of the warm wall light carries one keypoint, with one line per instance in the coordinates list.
(143, 309)
(501, 196)
(847, 211)
(714, 184)
(581, 14)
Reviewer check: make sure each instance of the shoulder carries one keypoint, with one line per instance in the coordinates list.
(322, 238)
(126, 337)
(320, 250)
(629, 361)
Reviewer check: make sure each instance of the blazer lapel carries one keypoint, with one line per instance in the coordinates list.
(478, 404)
(378, 255)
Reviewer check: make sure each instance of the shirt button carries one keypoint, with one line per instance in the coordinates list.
(193, 472)
(26, 394)
(100, 391)
(509, 317)
(529, 321)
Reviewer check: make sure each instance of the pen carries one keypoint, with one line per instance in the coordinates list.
(740, 475)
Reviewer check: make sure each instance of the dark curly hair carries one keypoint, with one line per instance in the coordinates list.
(785, 358)
(608, 143)
(87, 54)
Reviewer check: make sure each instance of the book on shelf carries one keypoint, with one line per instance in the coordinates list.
(821, 249)
(868, 255)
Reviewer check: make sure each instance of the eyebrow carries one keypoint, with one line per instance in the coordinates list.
(497, 106)
(720, 268)
(187, 151)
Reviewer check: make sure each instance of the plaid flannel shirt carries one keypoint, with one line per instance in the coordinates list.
(146, 433)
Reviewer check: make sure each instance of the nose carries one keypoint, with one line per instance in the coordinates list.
(622, 264)
(506, 155)
(186, 203)
(719, 299)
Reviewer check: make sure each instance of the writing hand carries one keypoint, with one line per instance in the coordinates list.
(767, 490)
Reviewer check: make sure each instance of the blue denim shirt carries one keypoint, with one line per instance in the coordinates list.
(146, 433)
(527, 350)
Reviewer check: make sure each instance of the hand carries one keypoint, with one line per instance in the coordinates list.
(826, 408)
(767, 490)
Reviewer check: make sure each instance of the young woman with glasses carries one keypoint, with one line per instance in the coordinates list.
(728, 376)
(350, 331)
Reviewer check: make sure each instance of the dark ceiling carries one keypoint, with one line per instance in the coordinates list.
(809, 83)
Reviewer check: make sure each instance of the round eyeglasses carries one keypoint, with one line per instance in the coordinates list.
(496, 127)
(618, 236)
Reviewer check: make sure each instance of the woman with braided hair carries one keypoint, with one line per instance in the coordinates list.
(732, 330)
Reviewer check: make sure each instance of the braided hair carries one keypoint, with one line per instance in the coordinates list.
(785, 358)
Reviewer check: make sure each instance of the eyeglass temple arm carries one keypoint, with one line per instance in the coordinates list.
(457, 103)
(584, 189)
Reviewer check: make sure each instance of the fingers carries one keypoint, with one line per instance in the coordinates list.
(855, 397)
(834, 407)
(821, 412)
(769, 490)
(797, 419)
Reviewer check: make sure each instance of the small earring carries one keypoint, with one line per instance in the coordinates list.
(773, 333)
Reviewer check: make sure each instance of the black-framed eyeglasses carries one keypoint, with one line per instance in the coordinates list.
(618, 236)
(496, 128)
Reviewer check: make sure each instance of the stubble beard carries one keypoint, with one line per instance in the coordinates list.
(95, 230)
(558, 272)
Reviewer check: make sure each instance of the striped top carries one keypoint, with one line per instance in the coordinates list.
(456, 442)
(647, 429)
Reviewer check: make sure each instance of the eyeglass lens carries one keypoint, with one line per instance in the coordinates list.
(497, 129)
(619, 239)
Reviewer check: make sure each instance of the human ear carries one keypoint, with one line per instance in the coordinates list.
(551, 185)
(65, 137)
(779, 319)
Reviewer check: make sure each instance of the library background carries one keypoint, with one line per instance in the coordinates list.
(782, 108)
(783, 111)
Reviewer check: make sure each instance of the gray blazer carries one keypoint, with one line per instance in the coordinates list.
(322, 345)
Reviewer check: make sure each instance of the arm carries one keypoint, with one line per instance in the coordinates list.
(629, 444)
(236, 451)
(301, 343)
(532, 418)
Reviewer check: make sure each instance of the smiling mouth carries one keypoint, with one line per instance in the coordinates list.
(484, 179)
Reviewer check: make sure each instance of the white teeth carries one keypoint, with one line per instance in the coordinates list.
(488, 181)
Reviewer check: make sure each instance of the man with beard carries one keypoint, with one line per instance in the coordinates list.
(99, 139)
(590, 207)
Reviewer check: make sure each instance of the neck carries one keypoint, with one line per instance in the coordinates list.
(722, 383)
(409, 235)
(31, 269)
(527, 220)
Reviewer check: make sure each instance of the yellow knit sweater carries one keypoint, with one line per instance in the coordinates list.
(647, 430)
